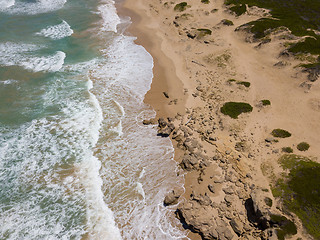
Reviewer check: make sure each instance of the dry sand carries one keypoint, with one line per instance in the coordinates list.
(194, 72)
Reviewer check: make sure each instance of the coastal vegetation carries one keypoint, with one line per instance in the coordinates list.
(246, 84)
(300, 17)
(234, 109)
(203, 32)
(268, 201)
(298, 188)
(239, 9)
(280, 133)
(284, 226)
(205, 1)
(180, 7)
(287, 150)
(227, 22)
(303, 146)
(265, 102)
(243, 83)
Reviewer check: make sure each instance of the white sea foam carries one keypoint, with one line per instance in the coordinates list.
(56, 32)
(108, 12)
(13, 54)
(42, 149)
(134, 195)
(32, 8)
(9, 81)
(4, 4)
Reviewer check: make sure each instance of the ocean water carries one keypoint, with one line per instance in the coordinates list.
(75, 160)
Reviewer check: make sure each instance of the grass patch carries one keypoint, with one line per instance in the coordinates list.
(203, 32)
(180, 7)
(285, 226)
(246, 84)
(265, 102)
(239, 9)
(227, 22)
(231, 80)
(220, 60)
(287, 150)
(268, 201)
(299, 190)
(300, 17)
(280, 133)
(243, 83)
(234, 109)
(205, 1)
(303, 146)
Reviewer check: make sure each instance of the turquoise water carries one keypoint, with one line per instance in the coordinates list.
(75, 160)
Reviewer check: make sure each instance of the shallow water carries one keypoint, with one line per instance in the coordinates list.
(75, 160)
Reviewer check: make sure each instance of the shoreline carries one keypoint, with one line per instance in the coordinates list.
(165, 79)
(230, 165)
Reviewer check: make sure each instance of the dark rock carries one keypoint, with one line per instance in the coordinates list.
(172, 198)
(314, 73)
(237, 226)
(165, 128)
(198, 220)
(162, 123)
(191, 145)
(211, 188)
(189, 162)
(166, 94)
(149, 122)
(192, 36)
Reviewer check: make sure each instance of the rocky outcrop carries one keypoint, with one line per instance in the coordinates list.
(165, 128)
(172, 198)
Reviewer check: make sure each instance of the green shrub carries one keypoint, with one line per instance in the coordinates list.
(239, 9)
(231, 80)
(268, 201)
(227, 22)
(303, 146)
(308, 45)
(300, 17)
(285, 226)
(287, 150)
(203, 32)
(265, 102)
(234, 109)
(205, 1)
(299, 190)
(246, 84)
(180, 7)
(280, 133)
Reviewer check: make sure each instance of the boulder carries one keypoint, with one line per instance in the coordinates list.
(165, 128)
(189, 162)
(149, 122)
(203, 200)
(257, 210)
(172, 198)
(198, 219)
(237, 226)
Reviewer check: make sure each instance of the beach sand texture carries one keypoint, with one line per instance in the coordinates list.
(225, 161)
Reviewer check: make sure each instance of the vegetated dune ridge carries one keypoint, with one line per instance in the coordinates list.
(236, 107)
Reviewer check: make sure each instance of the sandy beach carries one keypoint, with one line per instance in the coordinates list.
(202, 60)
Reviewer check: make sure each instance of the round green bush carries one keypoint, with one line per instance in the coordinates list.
(287, 149)
(265, 102)
(234, 109)
(280, 133)
(180, 7)
(303, 146)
